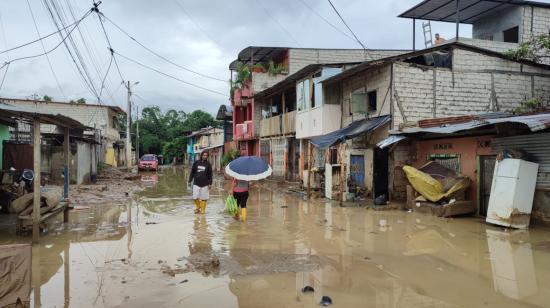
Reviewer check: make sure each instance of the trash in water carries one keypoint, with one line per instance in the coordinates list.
(307, 289)
(382, 223)
(184, 281)
(325, 301)
(151, 223)
(284, 206)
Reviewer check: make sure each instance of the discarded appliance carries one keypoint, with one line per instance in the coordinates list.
(512, 193)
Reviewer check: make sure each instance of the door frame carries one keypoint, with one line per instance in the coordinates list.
(385, 172)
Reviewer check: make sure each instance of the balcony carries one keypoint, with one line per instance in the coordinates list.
(244, 131)
(318, 121)
(278, 125)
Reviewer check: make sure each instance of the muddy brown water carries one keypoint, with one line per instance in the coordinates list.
(154, 252)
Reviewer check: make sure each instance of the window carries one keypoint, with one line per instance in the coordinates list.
(114, 125)
(371, 100)
(511, 35)
(358, 101)
(303, 98)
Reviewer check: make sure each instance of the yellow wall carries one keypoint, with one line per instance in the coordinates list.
(110, 158)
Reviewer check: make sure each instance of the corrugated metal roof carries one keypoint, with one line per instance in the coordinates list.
(535, 122)
(469, 10)
(392, 139)
(535, 145)
(353, 130)
(45, 117)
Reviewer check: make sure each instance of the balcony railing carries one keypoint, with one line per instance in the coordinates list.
(278, 125)
(244, 131)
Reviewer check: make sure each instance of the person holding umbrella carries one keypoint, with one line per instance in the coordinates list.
(201, 177)
(243, 170)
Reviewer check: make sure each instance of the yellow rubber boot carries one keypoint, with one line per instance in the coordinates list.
(243, 214)
(203, 206)
(197, 206)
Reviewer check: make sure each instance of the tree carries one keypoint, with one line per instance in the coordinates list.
(81, 101)
(47, 98)
(533, 49)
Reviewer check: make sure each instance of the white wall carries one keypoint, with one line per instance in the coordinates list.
(84, 162)
(317, 121)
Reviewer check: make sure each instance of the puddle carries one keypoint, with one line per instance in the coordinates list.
(154, 252)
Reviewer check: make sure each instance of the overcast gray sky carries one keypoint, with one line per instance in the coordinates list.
(204, 36)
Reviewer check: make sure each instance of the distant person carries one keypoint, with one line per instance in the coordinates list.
(201, 177)
(239, 188)
(439, 39)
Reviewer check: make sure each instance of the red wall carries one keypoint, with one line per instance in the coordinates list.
(468, 148)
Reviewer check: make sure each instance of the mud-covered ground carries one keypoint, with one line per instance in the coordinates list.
(152, 251)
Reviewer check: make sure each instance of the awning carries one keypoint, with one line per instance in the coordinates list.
(393, 139)
(208, 148)
(353, 130)
(469, 10)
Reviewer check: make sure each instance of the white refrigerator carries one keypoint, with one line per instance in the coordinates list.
(512, 193)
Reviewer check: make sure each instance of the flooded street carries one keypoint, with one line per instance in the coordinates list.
(155, 252)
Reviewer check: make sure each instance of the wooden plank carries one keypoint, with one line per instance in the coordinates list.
(28, 220)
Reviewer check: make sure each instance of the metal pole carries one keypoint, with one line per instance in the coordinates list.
(457, 19)
(66, 154)
(137, 134)
(36, 167)
(309, 163)
(414, 34)
(128, 137)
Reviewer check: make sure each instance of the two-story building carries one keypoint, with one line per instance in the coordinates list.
(259, 68)
(102, 118)
(211, 140)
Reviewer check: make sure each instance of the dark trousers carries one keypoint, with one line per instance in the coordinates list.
(241, 198)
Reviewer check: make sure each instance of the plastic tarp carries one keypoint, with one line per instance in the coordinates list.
(430, 188)
(353, 130)
(392, 139)
(15, 274)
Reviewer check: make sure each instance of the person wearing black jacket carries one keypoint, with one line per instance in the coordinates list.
(201, 177)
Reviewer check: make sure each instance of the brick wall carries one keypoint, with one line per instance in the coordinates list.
(478, 83)
(377, 79)
(300, 58)
(536, 20)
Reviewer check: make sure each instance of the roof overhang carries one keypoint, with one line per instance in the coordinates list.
(468, 10)
(355, 129)
(258, 54)
(44, 117)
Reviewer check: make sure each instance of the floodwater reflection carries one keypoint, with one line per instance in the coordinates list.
(154, 251)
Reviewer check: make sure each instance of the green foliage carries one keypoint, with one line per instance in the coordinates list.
(243, 75)
(275, 69)
(530, 105)
(533, 49)
(229, 156)
(163, 133)
(259, 66)
(47, 98)
(81, 101)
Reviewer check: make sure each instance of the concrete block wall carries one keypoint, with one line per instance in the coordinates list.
(262, 81)
(495, 23)
(478, 84)
(536, 20)
(377, 79)
(300, 58)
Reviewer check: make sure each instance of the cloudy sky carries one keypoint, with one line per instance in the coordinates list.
(204, 36)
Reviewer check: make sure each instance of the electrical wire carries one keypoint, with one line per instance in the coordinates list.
(7, 65)
(44, 49)
(88, 83)
(158, 55)
(105, 77)
(168, 75)
(346, 24)
(326, 20)
(99, 15)
(37, 40)
(55, 47)
(277, 22)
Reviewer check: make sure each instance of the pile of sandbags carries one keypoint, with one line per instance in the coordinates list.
(24, 205)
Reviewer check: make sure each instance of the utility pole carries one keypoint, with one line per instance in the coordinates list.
(137, 134)
(128, 135)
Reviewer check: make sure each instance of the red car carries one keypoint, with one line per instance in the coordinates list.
(148, 162)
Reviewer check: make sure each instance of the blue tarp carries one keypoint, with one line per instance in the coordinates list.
(353, 130)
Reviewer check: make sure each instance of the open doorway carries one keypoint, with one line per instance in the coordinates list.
(380, 173)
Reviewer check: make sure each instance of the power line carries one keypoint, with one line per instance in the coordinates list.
(38, 40)
(277, 22)
(44, 49)
(105, 77)
(326, 20)
(158, 55)
(169, 76)
(55, 47)
(99, 15)
(7, 65)
(88, 83)
(346, 24)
